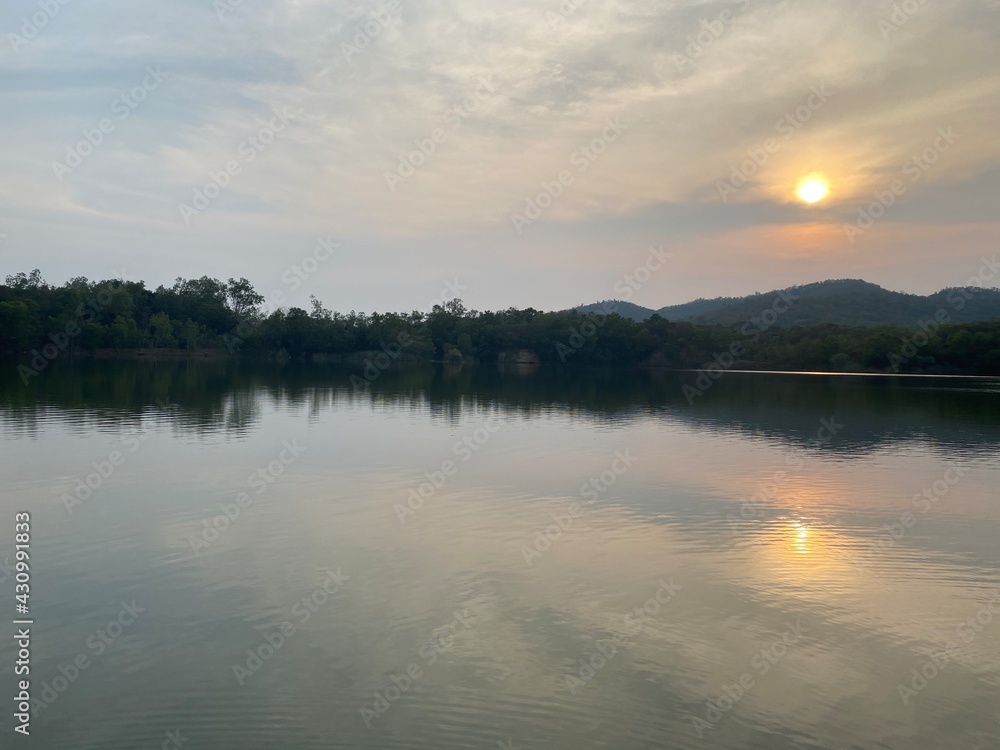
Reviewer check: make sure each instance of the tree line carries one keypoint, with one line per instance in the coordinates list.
(42, 320)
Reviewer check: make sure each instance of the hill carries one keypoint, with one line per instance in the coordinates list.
(691, 310)
(848, 302)
(627, 310)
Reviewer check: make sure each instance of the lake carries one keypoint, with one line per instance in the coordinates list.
(229, 555)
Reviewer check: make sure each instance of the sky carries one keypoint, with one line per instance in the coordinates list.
(387, 155)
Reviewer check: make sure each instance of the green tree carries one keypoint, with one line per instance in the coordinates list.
(26, 281)
(15, 326)
(190, 334)
(318, 311)
(840, 362)
(125, 333)
(93, 335)
(243, 299)
(163, 330)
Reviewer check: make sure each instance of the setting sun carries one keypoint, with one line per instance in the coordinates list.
(812, 190)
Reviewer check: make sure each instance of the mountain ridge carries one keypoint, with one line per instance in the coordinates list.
(851, 302)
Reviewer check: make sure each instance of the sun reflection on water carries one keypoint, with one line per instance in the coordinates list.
(801, 538)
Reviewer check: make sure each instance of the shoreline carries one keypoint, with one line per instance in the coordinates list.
(362, 358)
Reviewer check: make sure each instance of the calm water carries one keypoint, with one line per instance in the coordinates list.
(594, 562)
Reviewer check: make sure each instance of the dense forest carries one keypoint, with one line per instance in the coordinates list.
(39, 321)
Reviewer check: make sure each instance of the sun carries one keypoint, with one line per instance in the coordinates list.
(813, 189)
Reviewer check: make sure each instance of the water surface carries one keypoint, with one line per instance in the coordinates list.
(594, 562)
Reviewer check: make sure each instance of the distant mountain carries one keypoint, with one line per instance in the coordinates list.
(700, 306)
(625, 309)
(850, 302)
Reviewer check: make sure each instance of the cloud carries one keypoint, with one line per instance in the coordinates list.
(695, 84)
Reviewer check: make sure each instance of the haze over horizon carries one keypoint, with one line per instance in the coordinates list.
(632, 115)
